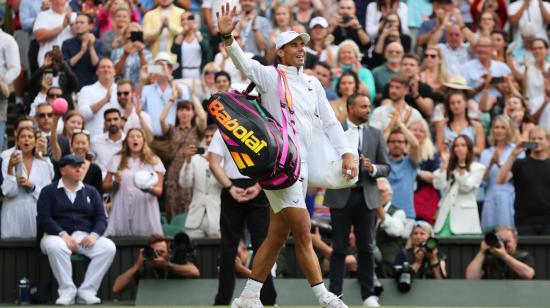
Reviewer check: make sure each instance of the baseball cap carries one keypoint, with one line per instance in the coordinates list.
(318, 21)
(70, 159)
(288, 36)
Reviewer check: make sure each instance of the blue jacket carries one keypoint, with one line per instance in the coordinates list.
(56, 213)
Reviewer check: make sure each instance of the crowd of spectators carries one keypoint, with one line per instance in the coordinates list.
(459, 91)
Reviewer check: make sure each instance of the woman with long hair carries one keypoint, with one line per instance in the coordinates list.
(135, 211)
(346, 85)
(188, 130)
(348, 58)
(72, 121)
(379, 9)
(458, 177)
(497, 6)
(25, 173)
(207, 85)
(457, 122)
(283, 20)
(426, 263)
(498, 205)
(114, 37)
(500, 42)
(432, 71)
(131, 56)
(516, 109)
(426, 196)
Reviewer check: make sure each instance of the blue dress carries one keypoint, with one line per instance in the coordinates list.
(498, 207)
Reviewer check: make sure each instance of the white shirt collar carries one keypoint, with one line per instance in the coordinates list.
(352, 125)
(291, 70)
(106, 136)
(61, 184)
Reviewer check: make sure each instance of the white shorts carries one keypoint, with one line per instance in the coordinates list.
(291, 197)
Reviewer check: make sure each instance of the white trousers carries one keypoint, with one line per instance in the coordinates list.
(101, 254)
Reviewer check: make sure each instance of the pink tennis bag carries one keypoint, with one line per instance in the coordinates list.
(259, 145)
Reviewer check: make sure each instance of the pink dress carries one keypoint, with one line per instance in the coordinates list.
(134, 212)
(104, 19)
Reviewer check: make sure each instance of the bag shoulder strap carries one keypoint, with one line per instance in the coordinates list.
(287, 113)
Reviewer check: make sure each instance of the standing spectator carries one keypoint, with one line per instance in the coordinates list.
(51, 28)
(83, 51)
(187, 130)
(43, 118)
(209, 10)
(243, 201)
(135, 211)
(161, 25)
(347, 26)
(203, 219)
(458, 177)
(25, 173)
(433, 71)
(386, 117)
(130, 56)
(283, 20)
(305, 10)
(540, 112)
(191, 50)
(393, 54)
(426, 197)
(94, 99)
(22, 121)
(418, 11)
(223, 81)
(132, 109)
(254, 30)
(531, 75)
(497, 6)
(403, 170)
(349, 59)
(71, 215)
(390, 229)
(454, 51)
(318, 45)
(498, 205)
(504, 261)
(221, 62)
(113, 38)
(107, 12)
(10, 67)
(381, 9)
(390, 30)
(535, 12)
(442, 11)
(531, 182)
(72, 120)
(105, 145)
(358, 206)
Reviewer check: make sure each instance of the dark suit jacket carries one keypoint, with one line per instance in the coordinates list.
(374, 148)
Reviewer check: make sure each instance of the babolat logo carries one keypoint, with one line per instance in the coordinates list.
(216, 109)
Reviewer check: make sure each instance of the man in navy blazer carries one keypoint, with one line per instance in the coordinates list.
(72, 219)
(357, 206)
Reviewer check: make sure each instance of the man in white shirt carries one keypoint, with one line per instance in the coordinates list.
(455, 51)
(384, 116)
(209, 9)
(131, 107)
(51, 27)
(536, 12)
(105, 145)
(94, 99)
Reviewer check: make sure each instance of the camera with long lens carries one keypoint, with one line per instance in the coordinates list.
(149, 253)
(404, 277)
(493, 240)
(430, 244)
(183, 249)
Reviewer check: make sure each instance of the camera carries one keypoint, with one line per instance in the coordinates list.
(430, 244)
(149, 253)
(493, 240)
(346, 19)
(404, 277)
(183, 249)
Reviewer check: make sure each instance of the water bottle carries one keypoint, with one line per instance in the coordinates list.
(19, 167)
(24, 294)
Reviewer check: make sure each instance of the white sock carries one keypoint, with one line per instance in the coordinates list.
(319, 290)
(252, 288)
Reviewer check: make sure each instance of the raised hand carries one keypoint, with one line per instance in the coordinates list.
(226, 19)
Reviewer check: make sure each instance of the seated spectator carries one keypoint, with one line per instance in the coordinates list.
(433, 71)
(188, 129)
(498, 204)
(112, 38)
(23, 121)
(531, 182)
(131, 56)
(159, 265)
(419, 11)
(346, 86)
(390, 230)
(346, 26)
(325, 249)
(403, 170)
(380, 10)
(390, 30)
(83, 51)
(105, 145)
(106, 14)
(95, 99)
(387, 116)
(519, 50)
(426, 197)
(203, 217)
(458, 177)
(72, 219)
(426, 263)
(500, 40)
(348, 58)
(43, 118)
(191, 50)
(503, 261)
(161, 25)
(517, 111)
(393, 54)
(457, 122)
(47, 94)
(433, 26)
(223, 81)
(323, 72)
(135, 211)
(497, 6)
(25, 173)
(72, 120)
(305, 10)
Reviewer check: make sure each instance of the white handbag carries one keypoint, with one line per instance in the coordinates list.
(324, 163)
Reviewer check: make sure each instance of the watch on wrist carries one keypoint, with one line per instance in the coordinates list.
(227, 36)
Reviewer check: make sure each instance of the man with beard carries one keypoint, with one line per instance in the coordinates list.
(105, 146)
(131, 108)
(393, 53)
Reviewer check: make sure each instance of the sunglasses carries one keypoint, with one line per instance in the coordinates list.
(77, 131)
(433, 56)
(53, 95)
(125, 93)
(44, 114)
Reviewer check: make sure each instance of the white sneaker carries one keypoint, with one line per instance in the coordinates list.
(87, 299)
(371, 301)
(64, 301)
(247, 302)
(330, 300)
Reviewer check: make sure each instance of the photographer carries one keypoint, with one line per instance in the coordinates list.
(498, 258)
(154, 262)
(347, 27)
(422, 253)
